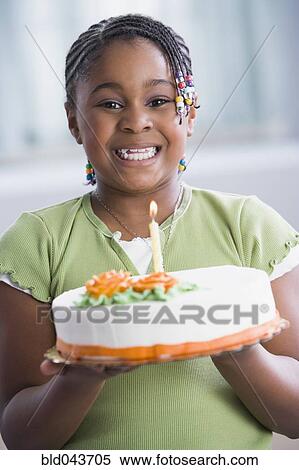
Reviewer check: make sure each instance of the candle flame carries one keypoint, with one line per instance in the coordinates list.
(153, 209)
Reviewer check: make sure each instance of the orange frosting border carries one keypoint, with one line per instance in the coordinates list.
(175, 351)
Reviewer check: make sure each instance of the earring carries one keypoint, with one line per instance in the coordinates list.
(90, 174)
(182, 166)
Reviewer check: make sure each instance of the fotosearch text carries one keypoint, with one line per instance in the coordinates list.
(142, 314)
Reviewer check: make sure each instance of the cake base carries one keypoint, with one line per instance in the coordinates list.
(91, 354)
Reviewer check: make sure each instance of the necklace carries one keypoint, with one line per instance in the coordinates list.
(131, 232)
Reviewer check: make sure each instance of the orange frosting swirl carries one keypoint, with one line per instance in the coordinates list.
(111, 282)
(154, 280)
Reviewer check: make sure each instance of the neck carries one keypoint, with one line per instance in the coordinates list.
(133, 208)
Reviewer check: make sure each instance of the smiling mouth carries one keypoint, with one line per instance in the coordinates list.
(137, 154)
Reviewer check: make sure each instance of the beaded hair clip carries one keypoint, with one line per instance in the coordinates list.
(186, 96)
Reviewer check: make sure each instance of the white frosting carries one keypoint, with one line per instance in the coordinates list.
(220, 285)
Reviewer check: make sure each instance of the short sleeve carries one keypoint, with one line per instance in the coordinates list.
(267, 237)
(26, 255)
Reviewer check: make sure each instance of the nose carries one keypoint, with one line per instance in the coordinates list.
(135, 119)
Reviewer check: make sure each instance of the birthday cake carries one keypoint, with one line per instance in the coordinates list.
(116, 318)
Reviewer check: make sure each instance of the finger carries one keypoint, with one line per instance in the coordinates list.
(96, 367)
(49, 368)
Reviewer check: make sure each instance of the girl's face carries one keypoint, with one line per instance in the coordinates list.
(128, 102)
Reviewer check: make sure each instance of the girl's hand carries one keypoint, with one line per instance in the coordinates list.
(104, 372)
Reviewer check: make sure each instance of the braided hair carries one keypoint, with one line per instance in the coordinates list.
(90, 44)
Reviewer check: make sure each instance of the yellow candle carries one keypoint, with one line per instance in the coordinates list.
(155, 237)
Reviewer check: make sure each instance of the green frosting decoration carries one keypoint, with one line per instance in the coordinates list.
(130, 296)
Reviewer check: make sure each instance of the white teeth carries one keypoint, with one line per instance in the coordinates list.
(137, 154)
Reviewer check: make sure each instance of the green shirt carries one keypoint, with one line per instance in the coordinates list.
(184, 404)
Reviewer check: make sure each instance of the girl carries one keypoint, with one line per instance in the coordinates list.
(131, 103)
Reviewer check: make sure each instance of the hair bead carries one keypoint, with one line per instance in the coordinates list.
(186, 94)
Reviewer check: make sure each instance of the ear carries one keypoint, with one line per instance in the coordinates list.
(192, 117)
(72, 122)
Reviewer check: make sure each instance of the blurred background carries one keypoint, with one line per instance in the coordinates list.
(246, 70)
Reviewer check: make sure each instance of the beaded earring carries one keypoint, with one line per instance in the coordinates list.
(186, 94)
(182, 166)
(90, 174)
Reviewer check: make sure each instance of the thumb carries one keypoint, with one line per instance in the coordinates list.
(49, 368)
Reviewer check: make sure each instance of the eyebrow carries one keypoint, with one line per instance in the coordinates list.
(146, 84)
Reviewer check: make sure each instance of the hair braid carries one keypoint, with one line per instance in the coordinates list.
(90, 44)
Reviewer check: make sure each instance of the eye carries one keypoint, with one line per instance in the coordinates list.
(160, 102)
(110, 105)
